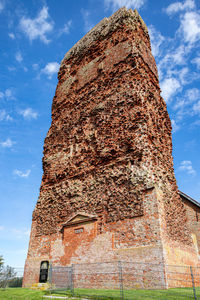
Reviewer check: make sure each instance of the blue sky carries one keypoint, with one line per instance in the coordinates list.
(34, 37)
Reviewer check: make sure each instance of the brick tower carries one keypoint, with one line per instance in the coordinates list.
(108, 187)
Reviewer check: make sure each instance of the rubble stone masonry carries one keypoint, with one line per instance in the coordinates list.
(108, 186)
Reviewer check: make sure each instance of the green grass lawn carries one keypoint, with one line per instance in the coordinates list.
(19, 293)
(171, 294)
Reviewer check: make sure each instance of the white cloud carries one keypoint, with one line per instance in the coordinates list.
(183, 75)
(1, 6)
(197, 61)
(66, 28)
(176, 56)
(4, 116)
(50, 69)
(173, 55)
(20, 233)
(18, 57)
(11, 69)
(196, 107)
(180, 6)
(186, 165)
(11, 35)
(173, 58)
(156, 40)
(192, 95)
(179, 55)
(35, 66)
(29, 114)
(188, 104)
(22, 174)
(86, 18)
(9, 118)
(9, 94)
(190, 26)
(39, 27)
(115, 4)
(15, 232)
(175, 126)
(196, 123)
(169, 87)
(7, 144)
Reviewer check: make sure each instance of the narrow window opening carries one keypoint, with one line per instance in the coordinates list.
(78, 230)
(197, 217)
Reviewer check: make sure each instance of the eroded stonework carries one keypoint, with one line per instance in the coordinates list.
(108, 153)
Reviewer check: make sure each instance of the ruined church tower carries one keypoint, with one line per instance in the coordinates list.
(108, 187)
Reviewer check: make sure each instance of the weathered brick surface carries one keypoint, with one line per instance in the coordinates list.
(110, 136)
(108, 153)
(193, 216)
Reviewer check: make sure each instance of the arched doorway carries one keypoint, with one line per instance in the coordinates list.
(44, 268)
